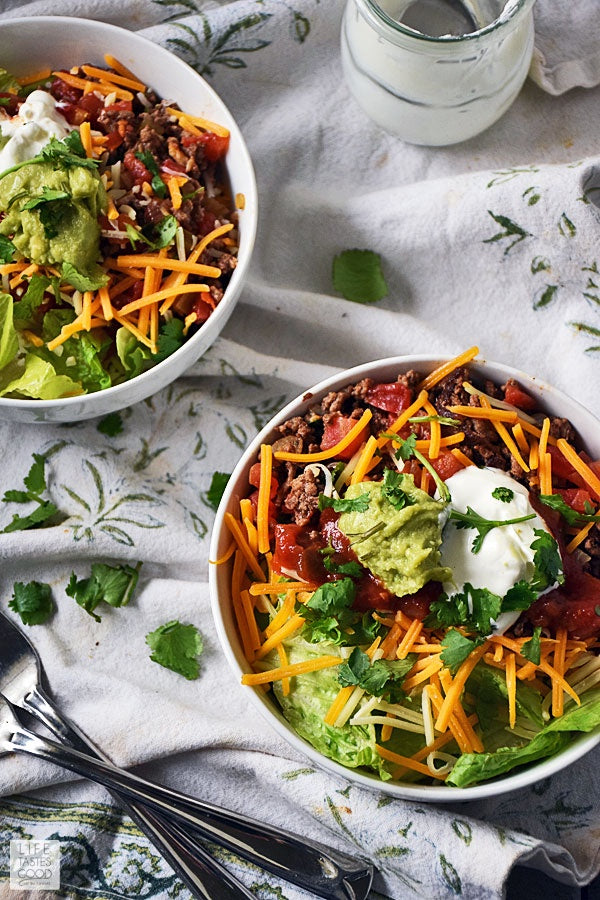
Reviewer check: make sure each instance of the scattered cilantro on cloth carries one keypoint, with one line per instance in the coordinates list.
(109, 584)
(35, 484)
(111, 425)
(357, 275)
(217, 487)
(32, 601)
(176, 646)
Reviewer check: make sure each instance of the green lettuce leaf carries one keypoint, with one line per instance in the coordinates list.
(82, 356)
(24, 309)
(9, 342)
(310, 697)
(8, 83)
(133, 355)
(472, 768)
(40, 382)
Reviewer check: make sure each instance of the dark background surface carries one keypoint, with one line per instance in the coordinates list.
(528, 884)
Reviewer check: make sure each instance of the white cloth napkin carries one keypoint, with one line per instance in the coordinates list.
(567, 50)
(493, 242)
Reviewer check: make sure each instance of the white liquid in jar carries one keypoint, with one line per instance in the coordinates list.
(436, 92)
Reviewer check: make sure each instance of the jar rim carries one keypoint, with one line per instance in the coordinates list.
(503, 19)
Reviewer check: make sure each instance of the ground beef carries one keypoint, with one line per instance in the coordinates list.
(308, 439)
(302, 500)
(348, 400)
(591, 546)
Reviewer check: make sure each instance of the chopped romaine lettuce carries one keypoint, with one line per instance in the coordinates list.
(472, 768)
(307, 703)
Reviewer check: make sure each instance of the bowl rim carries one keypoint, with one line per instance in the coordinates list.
(523, 777)
(222, 311)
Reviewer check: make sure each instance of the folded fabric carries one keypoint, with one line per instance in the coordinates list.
(566, 53)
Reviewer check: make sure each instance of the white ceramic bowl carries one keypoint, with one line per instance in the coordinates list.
(554, 401)
(28, 44)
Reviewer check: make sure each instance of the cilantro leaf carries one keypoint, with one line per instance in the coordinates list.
(111, 425)
(520, 596)
(157, 184)
(504, 494)
(475, 608)
(48, 195)
(333, 596)
(383, 677)
(109, 584)
(353, 568)
(547, 561)
(41, 514)
(572, 517)
(392, 490)
(7, 250)
(457, 648)
(35, 480)
(32, 601)
(66, 154)
(357, 275)
(407, 447)
(341, 505)
(176, 646)
(170, 339)
(84, 282)
(35, 483)
(472, 519)
(165, 232)
(531, 649)
(217, 487)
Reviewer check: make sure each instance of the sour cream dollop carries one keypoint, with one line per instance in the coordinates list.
(505, 556)
(37, 121)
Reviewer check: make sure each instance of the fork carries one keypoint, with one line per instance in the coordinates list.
(308, 864)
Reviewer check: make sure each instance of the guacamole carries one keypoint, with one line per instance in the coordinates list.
(61, 224)
(402, 546)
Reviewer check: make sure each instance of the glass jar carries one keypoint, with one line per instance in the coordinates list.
(436, 90)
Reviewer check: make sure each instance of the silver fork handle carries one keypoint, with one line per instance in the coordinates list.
(325, 872)
(204, 877)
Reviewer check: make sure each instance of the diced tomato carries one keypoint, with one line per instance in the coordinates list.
(576, 498)
(254, 479)
(393, 398)
(297, 551)
(136, 167)
(72, 113)
(113, 140)
(201, 308)
(120, 106)
(207, 224)
(91, 105)
(561, 467)
(336, 429)
(516, 396)
(416, 606)
(128, 296)
(446, 465)
(215, 145)
(60, 90)
(573, 606)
